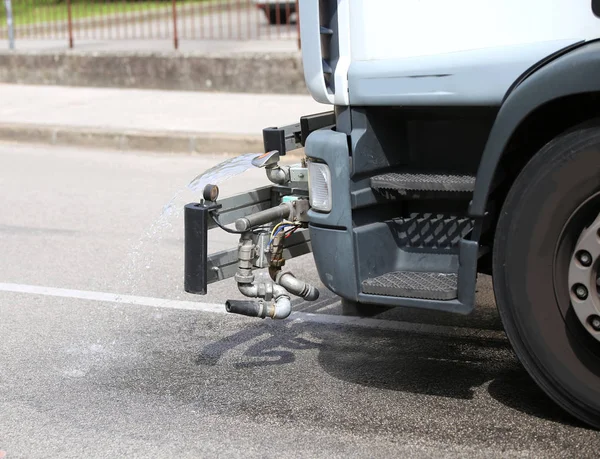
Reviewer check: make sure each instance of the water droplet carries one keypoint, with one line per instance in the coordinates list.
(140, 258)
(223, 171)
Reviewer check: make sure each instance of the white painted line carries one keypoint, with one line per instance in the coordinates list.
(114, 298)
(327, 319)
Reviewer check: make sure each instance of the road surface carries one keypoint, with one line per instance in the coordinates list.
(103, 355)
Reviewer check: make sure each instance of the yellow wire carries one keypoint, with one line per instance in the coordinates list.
(277, 226)
(285, 222)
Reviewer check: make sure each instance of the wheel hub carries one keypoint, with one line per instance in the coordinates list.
(584, 282)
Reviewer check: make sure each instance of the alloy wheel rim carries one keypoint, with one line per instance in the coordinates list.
(576, 269)
(583, 278)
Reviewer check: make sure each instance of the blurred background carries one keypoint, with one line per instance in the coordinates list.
(78, 23)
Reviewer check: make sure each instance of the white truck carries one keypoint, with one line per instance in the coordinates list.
(464, 138)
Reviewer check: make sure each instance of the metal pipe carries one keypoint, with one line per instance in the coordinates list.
(265, 290)
(286, 279)
(297, 286)
(246, 249)
(249, 290)
(262, 217)
(280, 308)
(278, 175)
(278, 291)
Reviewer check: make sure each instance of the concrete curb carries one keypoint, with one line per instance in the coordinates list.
(164, 142)
(262, 73)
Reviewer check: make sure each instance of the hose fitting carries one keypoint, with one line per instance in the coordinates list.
(279, 308)
(275, 301)
(294, 285)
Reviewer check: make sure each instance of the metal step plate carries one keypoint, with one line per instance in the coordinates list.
(431, 286)
(431, 231)
(423, 182)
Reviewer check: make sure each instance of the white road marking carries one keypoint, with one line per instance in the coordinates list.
(113, 298)
(214, 308)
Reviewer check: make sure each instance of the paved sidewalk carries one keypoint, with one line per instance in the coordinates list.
(146, 119)
(285, 44)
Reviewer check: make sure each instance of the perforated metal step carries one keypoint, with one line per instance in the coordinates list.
(426, 285)
(431, 231)
(405, 182)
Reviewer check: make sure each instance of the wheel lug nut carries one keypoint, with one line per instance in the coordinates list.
(584, 258)
(595, 322)
(581, 292)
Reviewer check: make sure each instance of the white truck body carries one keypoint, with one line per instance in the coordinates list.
(435, 52)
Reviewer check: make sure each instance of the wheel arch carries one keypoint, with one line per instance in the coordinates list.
(556, 94)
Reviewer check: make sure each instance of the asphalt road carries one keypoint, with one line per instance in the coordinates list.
(90, 372)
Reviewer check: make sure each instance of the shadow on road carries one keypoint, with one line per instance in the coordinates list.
(271, 350)
(452, 367)
(515, 389)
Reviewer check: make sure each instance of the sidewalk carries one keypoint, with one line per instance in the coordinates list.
(221, 47)
(134, 119)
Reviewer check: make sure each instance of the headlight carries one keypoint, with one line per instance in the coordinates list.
(319, 186)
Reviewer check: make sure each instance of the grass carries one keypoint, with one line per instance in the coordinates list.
(28, 12)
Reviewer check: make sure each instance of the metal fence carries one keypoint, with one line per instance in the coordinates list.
(74, 20)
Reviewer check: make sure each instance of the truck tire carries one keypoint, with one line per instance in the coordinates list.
(549, 206)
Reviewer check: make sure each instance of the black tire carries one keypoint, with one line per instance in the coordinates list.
(549, 204)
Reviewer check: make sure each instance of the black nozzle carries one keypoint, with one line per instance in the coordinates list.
(245, 308)
(196, 248)
(210, 192)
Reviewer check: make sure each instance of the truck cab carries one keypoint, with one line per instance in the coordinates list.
(464, 138)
